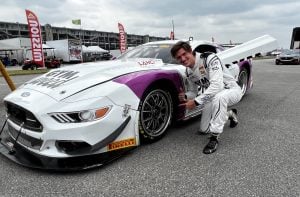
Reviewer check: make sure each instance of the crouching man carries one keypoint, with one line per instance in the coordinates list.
(211, 87)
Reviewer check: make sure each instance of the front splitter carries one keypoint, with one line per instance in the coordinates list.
(22, 156)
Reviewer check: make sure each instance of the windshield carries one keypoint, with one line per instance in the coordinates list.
(291, 52)
(296, 51)
(157, 51)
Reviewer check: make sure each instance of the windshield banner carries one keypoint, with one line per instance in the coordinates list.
(122, 38)
(35, 38)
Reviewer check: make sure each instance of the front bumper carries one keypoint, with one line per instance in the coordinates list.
(90, 159)
(28, 159)
(287, 61)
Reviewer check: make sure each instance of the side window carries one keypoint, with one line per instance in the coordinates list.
(205, 48)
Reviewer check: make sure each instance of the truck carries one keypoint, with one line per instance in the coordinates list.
(15, 50)
(67, 50)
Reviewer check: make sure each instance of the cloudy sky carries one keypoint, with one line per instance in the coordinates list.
(224, 20)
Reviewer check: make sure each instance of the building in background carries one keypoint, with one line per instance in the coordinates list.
(105, 40)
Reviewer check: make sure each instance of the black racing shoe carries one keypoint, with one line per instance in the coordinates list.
(233, 118)
(199, 132)
(212, 145)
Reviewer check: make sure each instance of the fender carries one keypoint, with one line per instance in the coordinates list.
(138, 82)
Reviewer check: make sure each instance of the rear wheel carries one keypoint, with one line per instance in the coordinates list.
(33, 67)
(243, 80)
(156, 109)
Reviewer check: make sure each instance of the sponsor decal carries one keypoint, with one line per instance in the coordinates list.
(146, 62)
(202, 69)
(215, 65)
(126, 110)
(54, 79)
(121, 144)
(25, 94)
(164, 46)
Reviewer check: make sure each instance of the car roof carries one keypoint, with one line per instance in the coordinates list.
(193, 43)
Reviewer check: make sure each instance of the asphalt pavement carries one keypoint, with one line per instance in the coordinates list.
(259, 157)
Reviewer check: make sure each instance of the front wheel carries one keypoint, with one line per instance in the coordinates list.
(156, 109)
(243, 80)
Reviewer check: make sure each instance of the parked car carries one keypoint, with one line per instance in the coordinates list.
(288, 56)
(49, 63)
(275, 52)
(29, 65)
(86, 115)
(52, 63)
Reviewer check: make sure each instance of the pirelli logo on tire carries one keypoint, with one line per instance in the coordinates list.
(122, 144)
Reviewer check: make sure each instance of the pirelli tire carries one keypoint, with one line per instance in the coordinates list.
(156, 109)
(243, 80)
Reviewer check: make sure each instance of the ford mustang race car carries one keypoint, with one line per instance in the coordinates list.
(82, 116)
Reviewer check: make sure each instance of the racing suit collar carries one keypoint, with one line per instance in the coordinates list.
(197, 62)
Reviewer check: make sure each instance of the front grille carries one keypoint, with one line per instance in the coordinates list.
(24, 139)
(20, 115)
(286, 58)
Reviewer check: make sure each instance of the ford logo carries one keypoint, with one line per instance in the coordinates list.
(25, 94)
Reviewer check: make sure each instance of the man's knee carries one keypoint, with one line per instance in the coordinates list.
(204, 128)
(220, 98)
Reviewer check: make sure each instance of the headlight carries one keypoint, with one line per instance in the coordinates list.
(86, 115)
(80, 116)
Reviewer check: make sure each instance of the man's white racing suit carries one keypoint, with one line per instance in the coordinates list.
(214, 88)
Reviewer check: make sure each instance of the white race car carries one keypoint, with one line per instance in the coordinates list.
(83, 116)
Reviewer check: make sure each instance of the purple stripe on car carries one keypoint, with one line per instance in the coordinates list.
(139, 81)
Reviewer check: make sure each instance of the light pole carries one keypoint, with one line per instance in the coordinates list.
(173, 29)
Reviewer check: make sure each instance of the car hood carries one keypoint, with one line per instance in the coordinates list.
(61, 83)
(288, 55)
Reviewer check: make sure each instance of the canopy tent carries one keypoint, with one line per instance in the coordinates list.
(93, 49)
(47, 47)
(84, 48)
(7, 47)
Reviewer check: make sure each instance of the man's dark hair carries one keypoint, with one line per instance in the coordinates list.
(180, 45)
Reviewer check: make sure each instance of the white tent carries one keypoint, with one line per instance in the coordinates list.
(8, 47)
(95, 49)
(47, 47)
(84, 48)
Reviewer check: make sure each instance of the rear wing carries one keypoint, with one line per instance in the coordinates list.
(248, 50)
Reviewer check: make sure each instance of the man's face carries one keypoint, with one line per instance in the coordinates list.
(185, 58)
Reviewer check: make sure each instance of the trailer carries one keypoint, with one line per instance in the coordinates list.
(67, 50)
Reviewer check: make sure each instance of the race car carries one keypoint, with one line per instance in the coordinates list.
(83, 116)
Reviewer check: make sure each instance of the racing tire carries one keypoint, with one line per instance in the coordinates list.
(33, 67)
(156, 109)
(243, 80)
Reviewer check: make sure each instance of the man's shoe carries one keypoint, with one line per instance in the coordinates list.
(199, 132)
(233, 118)
(212, 145)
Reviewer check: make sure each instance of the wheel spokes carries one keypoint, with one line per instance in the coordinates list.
(155, 113)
